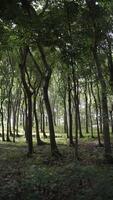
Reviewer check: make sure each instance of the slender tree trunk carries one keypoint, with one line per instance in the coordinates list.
(54, 149)
(90, 111)
(110, 62)
(111, 119)
(76, 104)
(25, 120)
(65, 118)
(70, 114)
(17, 121)
(14, 122)
(39, 142)
(43, 122)
(86, 109)
(2, 121)
(100, 109)
(78, 109)
(28, 93)
(104, 108)
(17, 116)
(42, 118)
(8, 120)
(97, 114)
(30, 142)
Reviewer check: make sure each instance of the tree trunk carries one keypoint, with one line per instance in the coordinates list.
(17, 116)
(30, 142)
(25, 119)
(54, 149)
(39, 142)
(76, 104)
(65, 118)
(28, 95)
(14, 123)
(78, 109)
(86, 109)
(43, 122)
(70, 114)
(2, 121)
(8, 120)
(97, 113)
(100, 108)
(104, 108)
(90, 111)
(47, 76)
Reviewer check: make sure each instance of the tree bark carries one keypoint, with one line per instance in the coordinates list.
(90, 111)
(2, 121)
(47, 76)
(28, 93)
(97, 114)
(65, 118)
(39, 142)
(86, 109)
(106, 133)
(70, 114)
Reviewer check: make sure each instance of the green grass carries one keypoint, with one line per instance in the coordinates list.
(42, 177)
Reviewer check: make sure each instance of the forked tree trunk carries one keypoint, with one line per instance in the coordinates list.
(47, 77)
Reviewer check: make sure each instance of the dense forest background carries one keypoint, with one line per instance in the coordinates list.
(56, 99)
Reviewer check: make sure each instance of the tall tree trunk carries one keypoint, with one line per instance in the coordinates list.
(100, 108)
(90, 111)
(2, 121)
(111, 120)
(17, 116)
(70, 114)
(97, 114)
(110, 62)
(14, 122)
(86, 109)
(54, 149)
(106, 133)
(76, 104)
(43, 122)
(78, 109)
(25, 118)
(47, 76)
(65, 118)
(42, 118)
(28, 93)
(39, 142)
(8, 119)
(30, 142)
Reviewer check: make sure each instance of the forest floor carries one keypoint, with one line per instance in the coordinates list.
(42, 177)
